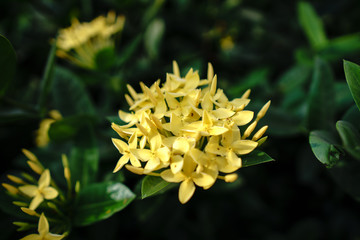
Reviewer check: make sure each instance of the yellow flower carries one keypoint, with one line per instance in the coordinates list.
(187, 130)
(80, 42)
(43, 229)
(41, 191)
(42, 134)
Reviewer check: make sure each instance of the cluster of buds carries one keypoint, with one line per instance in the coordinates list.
(187, 131)
(43, 195)
(80, 42)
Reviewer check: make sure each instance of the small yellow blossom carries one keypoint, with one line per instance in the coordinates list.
(80, 42)
(43, 229)
(187, 131)
(42, 134)
(41, 191)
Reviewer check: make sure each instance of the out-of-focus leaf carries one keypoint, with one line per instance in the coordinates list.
(128, 51)
(343, 96)
(339, 47)
(350, 138)
(323, 146)
(7, 64)
(47, 79)
(70, 95)
(67, 128)
(105, 58)
(154, 185)
(353, 116)
(255, 157)
(321, 97)
(153, 37)
(100, 201)
(312, 25)
(254, 79)
(15, 115)
(294, 78)
(115, 119)
(352, 74)
(84, 156)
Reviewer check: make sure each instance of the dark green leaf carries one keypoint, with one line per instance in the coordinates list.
(352, 74)
(14, 115)
(100, 201)
(46, 81)
(70, 95)
(115, 119)
(153, 185)
(321, 97)
(350, 138)
(255, 157)
(339, 47)
(128, 50)
(324, 147)
(343, 96)
(353, 116)
(84, 156)
(105, 58)
(312, 25)
(254, 79)
(7, 64)
(294, 78)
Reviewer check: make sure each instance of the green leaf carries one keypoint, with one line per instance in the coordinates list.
(312, 25)
(154, 185)
(70, 95)
(255, 157)
(321, 99)
(7, 64)
(47, 79)
(255, 78)
(100, 201)
(105, 58)
(350, 138)
(153, 37)
(324, 147)
(352, 74)
(352, 115)
(294, 78)
(343, 96)
(128, 51)
(84, 156)
(341, 46)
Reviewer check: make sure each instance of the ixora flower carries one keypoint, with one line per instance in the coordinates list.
(187, 131)
(80, 42)
(42, 134)
(43, 229)
(41, 191)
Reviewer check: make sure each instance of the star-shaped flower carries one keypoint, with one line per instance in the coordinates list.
(43, 229)
(40, 192)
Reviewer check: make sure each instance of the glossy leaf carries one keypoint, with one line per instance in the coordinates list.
(7, 64)
(100, 201)
(352, 74)
(70, 95)
(321, 100)
(350, 138)
(324, 147)
(154, 185)
(312, 25)
(255, 157)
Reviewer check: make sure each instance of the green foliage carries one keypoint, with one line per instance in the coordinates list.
(352, 74)
(350, 138)
(255, 157)
(321, 97)
(99, 201)
(312, 25)
(152, 185)
(7, 64)
(324, 147)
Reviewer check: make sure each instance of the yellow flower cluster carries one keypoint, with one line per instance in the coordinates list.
(30, 195)
(186, 131)
(80, 42)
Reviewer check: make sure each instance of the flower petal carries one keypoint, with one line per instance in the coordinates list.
(29, 190)
(176, 164)
(163, 154)
(122, 161)
(120, 145)
(43, 227)
(244, 146)
(186, 190)
(214, 131)
(51, 236)
(32, 237)
(243, 117)
(202, 179)
(169, 176)
(37, 200)
(49, 193)
(222, 113)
